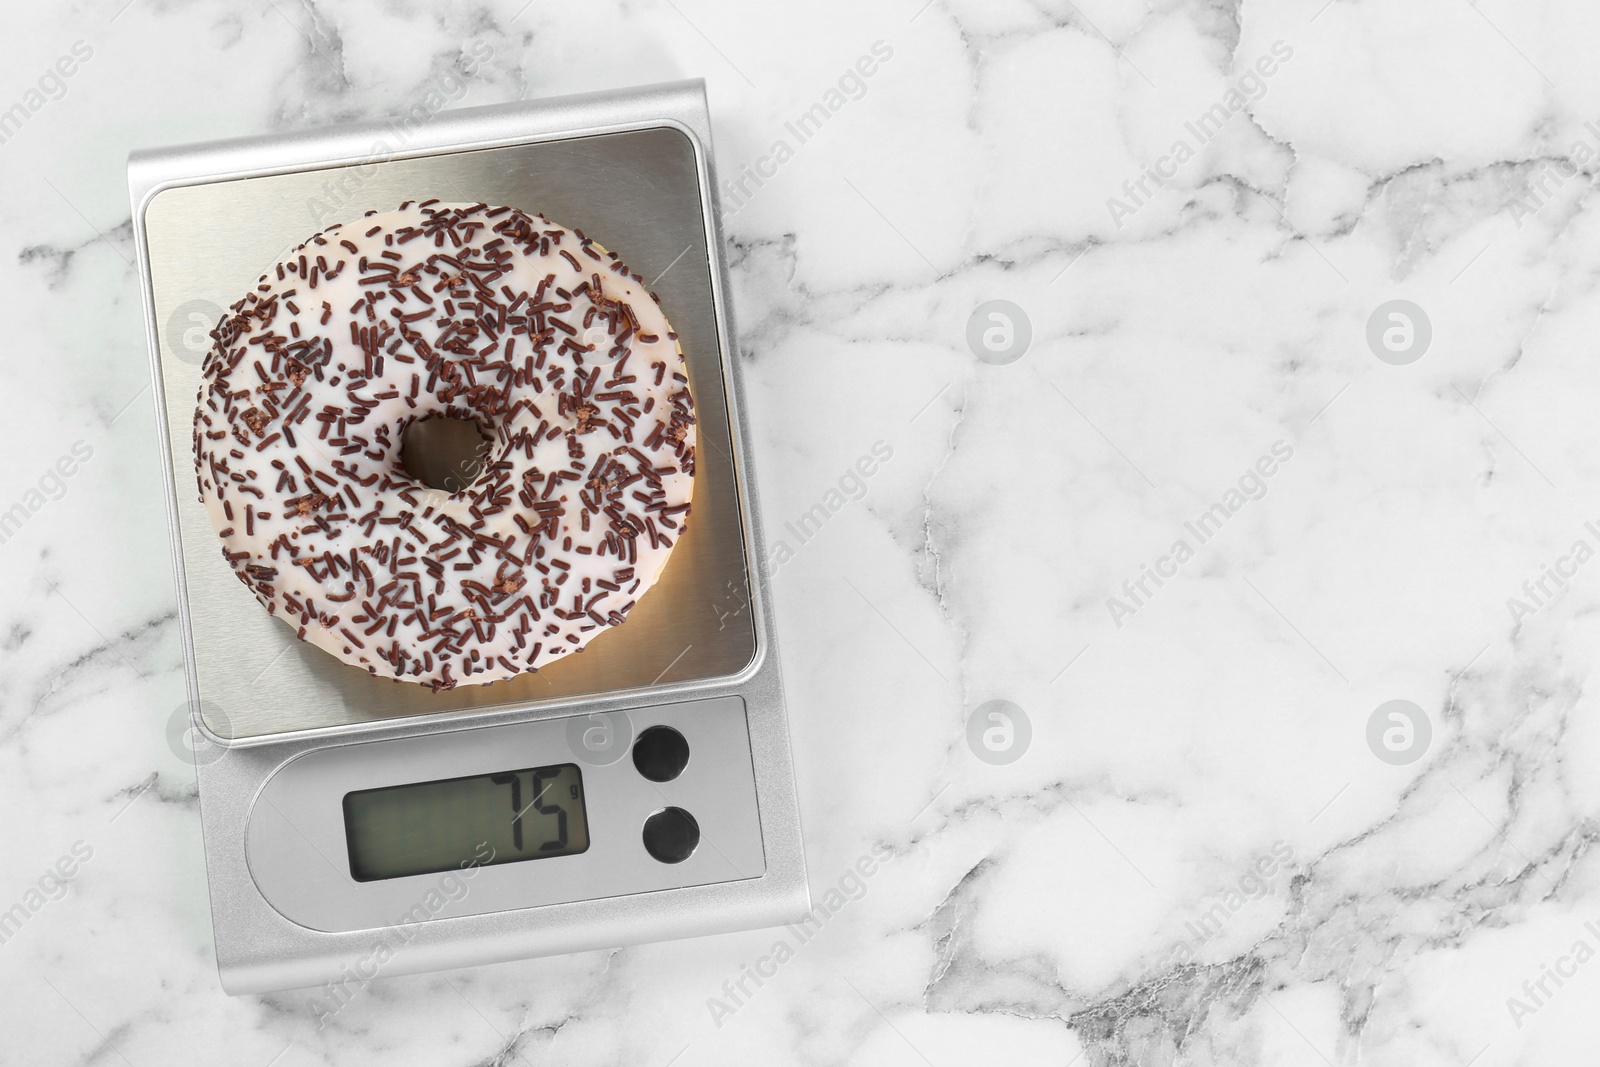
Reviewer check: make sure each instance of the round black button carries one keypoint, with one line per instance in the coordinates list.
(671, 835)
(661, 753)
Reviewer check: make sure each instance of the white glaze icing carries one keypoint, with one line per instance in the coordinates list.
(461, 311)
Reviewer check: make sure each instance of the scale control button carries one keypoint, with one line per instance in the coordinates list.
(671, 835)
(661, 753)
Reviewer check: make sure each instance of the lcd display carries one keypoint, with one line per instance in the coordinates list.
(487, 819)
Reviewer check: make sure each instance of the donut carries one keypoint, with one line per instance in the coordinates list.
(535, 334)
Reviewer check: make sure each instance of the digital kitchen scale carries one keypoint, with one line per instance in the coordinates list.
(637, 792)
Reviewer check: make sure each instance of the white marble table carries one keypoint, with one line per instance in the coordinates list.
(1211, 851)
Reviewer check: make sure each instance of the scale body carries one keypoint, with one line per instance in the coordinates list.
(301, 745)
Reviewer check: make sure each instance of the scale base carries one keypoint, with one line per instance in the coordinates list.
(293, 725)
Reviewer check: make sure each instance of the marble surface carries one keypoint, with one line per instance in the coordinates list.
(1216, 848)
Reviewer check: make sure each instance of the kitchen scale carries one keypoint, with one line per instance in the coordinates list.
(640, 791)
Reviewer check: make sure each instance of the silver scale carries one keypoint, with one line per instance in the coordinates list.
(641, 791)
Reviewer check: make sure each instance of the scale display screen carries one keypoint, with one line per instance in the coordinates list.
(487, 819)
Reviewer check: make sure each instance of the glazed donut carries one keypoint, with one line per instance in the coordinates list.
(534, 332)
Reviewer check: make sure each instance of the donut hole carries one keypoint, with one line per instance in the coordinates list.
(443, 452)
